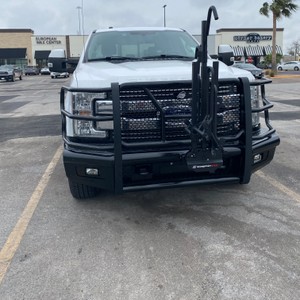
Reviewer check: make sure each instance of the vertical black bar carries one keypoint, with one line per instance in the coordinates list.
(247, 116)
(195, 91)
(214, 92)
(204, 73)
(118, 171)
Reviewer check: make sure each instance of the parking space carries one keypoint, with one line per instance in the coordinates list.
(208, 242)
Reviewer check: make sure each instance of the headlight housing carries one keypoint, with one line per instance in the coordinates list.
(91, 114)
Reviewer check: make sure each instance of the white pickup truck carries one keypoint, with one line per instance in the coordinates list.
(148, 108)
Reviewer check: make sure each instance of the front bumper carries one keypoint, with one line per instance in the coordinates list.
(56, 74)
(149, 170)
(6, 77)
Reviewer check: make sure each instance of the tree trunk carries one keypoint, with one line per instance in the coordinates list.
(274, 64)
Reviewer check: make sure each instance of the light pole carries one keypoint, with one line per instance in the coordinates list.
(79, 17)
(82, 17)
(81, 21)
(165, 14)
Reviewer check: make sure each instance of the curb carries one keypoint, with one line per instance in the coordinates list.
(283, 76)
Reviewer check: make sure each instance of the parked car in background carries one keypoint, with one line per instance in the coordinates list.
(10, 72)
(45, 71)
(31, 71)
(289, 66)
(264, 65)
(256, 72)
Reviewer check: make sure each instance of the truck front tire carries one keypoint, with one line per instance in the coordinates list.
(82, 191)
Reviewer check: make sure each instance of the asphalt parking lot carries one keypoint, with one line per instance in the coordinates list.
(208, 242)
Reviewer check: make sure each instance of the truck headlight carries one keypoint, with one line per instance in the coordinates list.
(255, 103)
(84, 104)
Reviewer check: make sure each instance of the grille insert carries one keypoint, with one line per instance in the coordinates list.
(164, 115)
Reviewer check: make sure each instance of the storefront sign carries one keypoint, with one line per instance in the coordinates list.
(252, 38)
(47, 40)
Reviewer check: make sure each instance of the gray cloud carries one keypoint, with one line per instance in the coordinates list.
(57, 17)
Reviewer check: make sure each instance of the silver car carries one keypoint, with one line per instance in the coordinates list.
(289, 66)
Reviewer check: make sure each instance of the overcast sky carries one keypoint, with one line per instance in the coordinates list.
(60, 17)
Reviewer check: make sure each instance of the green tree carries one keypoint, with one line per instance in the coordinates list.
(278, 9)
(268, 59)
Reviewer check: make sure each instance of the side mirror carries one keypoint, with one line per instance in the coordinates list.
(57, 61)
(225, 54)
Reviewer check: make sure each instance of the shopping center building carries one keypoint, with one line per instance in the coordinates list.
(22, 47)
(254, 43)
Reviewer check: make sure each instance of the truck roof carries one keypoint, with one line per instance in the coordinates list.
(138, 29)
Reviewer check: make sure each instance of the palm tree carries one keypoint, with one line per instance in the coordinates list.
(279, 9)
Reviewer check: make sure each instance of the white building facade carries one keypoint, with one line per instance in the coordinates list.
(250, 43)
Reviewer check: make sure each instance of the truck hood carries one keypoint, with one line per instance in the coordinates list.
(102, 74)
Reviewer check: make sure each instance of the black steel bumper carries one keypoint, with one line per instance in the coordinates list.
(148, 170)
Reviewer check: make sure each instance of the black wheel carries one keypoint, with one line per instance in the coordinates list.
(279, 69)
(13, 78)
(82, 191)
(296, 68)
(21, 77)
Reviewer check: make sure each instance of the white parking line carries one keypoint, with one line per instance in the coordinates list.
(13, 241)
(295, 196)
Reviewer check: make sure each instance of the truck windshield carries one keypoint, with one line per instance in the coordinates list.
(135, 45)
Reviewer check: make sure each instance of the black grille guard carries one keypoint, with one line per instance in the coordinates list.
(115, 89)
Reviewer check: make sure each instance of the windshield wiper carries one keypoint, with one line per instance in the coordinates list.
(167, 56)
(114, 57)
(123, 58)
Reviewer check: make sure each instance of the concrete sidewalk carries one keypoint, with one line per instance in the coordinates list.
(282, 74)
